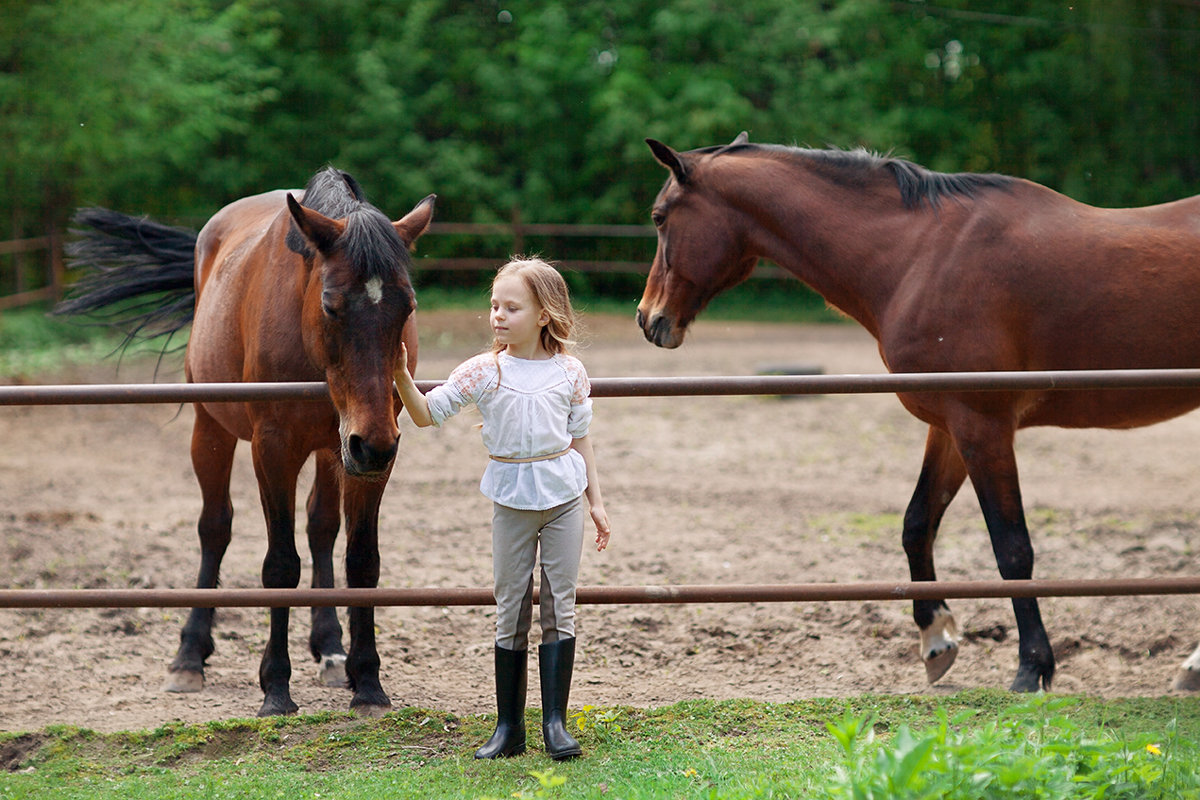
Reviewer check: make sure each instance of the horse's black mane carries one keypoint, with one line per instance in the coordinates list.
(369, 240)
(918, 185)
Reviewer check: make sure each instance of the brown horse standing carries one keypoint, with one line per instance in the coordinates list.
(949, 272)
(315, 290)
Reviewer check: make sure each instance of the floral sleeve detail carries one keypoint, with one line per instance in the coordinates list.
(581, 386)
(466, 384)
(580, 418)
(475, 375)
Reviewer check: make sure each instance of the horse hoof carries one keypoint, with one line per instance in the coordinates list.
(333, 672)
(183, 680)
(370, 710)
(281, 707)
(938, 664)
(1029, 681)
(1187, 680)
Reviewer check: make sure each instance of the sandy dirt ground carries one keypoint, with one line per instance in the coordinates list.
(724, 490)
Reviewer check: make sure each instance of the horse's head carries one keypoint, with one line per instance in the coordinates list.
(701, 250)
(358, 308)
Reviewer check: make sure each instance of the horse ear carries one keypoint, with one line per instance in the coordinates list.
(669, 159)
(321, 231)
(741, 138)
(416, 222)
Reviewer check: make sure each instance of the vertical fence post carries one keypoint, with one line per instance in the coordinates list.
(518, 232)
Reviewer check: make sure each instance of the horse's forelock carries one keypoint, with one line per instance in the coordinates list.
(371, 242)
(333, 193)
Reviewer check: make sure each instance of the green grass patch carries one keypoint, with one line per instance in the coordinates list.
(978, 744)
(856, 524)
(757, 301)
(34, 342)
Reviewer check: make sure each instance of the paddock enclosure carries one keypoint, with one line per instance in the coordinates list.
(705, 490)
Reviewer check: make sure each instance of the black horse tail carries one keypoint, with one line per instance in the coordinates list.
(139, 274)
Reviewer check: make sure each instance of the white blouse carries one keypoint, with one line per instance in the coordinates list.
(530, 408)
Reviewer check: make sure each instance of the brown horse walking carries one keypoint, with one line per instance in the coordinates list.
(949, 272)
(284, 290)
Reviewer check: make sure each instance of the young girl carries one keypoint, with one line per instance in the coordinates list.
(536, 409)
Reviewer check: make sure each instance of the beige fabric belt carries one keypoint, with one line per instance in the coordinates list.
(530, 459)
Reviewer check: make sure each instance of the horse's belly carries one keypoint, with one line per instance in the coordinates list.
(1109, 408)
(214, 356)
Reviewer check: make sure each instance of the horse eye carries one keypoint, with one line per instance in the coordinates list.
(658, 218)
(329, 306)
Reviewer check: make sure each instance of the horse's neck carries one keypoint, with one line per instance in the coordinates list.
(846, 243)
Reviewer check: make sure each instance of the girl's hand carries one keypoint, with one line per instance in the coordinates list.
(603, 529)
(402, 370)
(414, 402)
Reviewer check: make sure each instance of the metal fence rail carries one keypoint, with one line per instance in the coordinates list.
(616, 387)
(695, 386)
(594, 595)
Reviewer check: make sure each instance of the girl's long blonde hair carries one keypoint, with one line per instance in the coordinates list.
(550, 292)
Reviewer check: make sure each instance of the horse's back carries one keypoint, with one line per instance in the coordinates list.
(235, 228)
(1036, 281)
(1063, 285)
(242, 269)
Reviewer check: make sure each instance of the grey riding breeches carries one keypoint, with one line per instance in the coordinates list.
(517, 536)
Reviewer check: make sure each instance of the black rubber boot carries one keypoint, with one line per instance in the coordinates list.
(556, 662)
(511, 681)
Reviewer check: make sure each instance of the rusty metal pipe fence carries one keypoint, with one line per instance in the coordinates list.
(883, 383)
(1065, 380)
(594, 595)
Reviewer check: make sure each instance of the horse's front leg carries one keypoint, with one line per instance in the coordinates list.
(324, 517)
(362, 499)
(212, 461)
(942, 475)
(277, 466)
(986, 445)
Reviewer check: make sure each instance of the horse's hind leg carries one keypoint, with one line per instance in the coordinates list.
(324, 517)
(212, 460)
(942, 474)
(986, 445)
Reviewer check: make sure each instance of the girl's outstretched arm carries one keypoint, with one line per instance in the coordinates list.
(583, 446)
(414, 402)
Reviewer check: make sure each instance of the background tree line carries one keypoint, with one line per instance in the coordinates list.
(175, 107)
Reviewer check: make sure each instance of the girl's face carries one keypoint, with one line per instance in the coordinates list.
(517, 320)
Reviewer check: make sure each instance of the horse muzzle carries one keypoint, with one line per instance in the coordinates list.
(364, 459)
(660, 330)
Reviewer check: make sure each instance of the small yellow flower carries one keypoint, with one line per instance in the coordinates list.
(1153, 750)
(690, 772)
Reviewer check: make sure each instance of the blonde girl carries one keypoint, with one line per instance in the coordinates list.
(536, 406)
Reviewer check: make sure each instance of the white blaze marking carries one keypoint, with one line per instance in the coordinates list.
(375, 290)
(1193, 661)
(940, 636)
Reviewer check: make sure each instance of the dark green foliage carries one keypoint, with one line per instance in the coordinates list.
(539, 109)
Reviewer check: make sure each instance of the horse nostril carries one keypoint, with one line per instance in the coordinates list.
(641, 319)
(368, 458)
(659, 330)
(356, 448)
(662, 332)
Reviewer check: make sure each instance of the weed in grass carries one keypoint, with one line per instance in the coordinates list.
(1032, 750)
(601, 722)
(549, 785)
